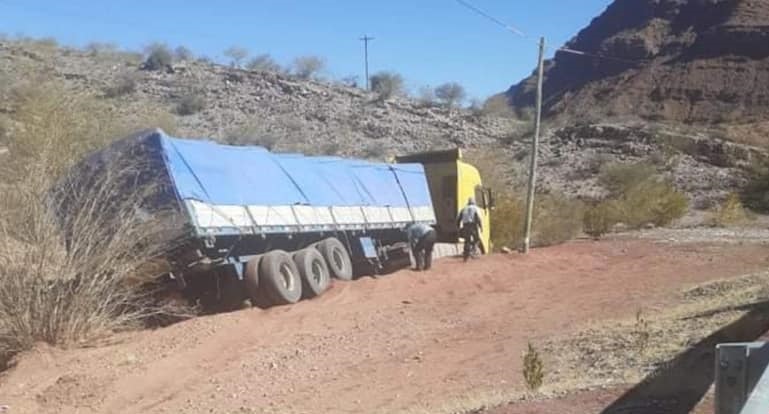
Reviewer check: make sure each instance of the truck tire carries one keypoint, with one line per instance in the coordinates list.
(251, 278)
(279, 278)
(337, 258)
(314, 272)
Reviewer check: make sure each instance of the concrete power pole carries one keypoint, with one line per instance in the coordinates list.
(534, 149)
(365, 40)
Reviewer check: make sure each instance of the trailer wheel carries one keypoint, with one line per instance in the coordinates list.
(313, 270)
(337, 258)
(251, 279)
(279, 277)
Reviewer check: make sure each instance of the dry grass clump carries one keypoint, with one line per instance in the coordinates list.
(624, 351)
(71, 251)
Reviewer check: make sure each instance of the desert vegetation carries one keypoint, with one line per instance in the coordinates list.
(68, 278)
(638, 196)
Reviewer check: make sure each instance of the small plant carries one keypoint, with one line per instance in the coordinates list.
(641, 332)
(533, 368)
(375, 150)
(183, 54)
(264, 63)
(159, 57)
(755, 195)
(426, 96)
(125, 84)
(237, 54)
(640, 196)
(191, 103)
(730, 213)
(599, 219)
(497, 106)
(386, 85)
(307, 67)
(450, 94)
(621, 178)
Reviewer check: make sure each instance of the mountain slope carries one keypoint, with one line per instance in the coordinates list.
(693, 61)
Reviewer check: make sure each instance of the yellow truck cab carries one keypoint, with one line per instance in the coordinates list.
(452, 182)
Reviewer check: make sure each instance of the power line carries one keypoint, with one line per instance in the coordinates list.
(492, 18)
(518, 32)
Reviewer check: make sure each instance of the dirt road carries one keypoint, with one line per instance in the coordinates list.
(405, 342)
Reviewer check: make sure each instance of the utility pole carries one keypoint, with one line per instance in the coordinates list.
(365, 40)
(534, 149)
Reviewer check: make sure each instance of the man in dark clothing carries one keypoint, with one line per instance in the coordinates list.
(421, 240)
(470, 225)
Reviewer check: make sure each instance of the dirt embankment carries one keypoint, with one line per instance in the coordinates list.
(416, 342)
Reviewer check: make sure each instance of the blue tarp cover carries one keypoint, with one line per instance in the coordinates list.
(252, 176)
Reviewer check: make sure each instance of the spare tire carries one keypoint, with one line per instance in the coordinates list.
(279, 278)
(337, 258)
(313, 270)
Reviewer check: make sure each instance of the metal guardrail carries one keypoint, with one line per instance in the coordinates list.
(742, 378)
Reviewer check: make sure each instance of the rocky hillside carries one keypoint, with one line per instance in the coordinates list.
(264, 108)
(200, 99)
(692, 61)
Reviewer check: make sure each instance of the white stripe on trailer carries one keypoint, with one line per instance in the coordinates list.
(273, 216)
(400, 214)
(424, 213)
(297, 218)
(349, 216)
(208, 216)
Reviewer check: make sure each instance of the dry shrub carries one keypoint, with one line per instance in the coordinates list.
(124, 84)
(498, 106)
(72, 252)
(533, 368)
(730, 213)
(755, 195)
(557, 218)
(638, 196)
(599, 219)
(191, 103)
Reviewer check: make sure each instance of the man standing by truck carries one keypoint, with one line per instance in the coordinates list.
(469, 223)
(421, 240)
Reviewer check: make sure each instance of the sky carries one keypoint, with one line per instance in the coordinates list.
(429, 42)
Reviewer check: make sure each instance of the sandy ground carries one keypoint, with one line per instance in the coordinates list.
(413, 342)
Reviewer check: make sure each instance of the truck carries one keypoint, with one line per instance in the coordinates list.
(241, 222)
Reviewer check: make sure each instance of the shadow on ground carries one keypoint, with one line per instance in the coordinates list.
(679, 384)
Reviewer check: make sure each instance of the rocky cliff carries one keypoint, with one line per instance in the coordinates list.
(692, 61)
